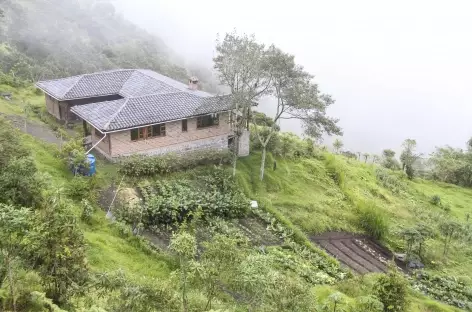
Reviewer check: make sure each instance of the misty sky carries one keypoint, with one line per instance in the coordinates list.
(397, 70)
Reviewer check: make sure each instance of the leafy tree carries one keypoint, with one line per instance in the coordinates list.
(375, 159)
(408, 157)
(263, 120)
(241, 66)
(185, 246)
(265, 289)
(392, 291)
(389, 160)
(337, 145)
(20, 183)
(452, 166)
(217, 263)
(58, 246)
(297, 98)
(450, 229)
(366, 156)
(14, 224)
(349, 154)
(334, 303)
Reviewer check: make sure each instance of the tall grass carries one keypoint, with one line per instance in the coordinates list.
(372, 220)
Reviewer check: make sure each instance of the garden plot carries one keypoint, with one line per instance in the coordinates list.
(358, 252)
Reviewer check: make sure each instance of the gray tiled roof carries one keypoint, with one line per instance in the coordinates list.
(149, 109)
(148, 98)
(125, 82)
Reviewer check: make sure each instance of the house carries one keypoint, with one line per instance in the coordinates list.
(135, 111)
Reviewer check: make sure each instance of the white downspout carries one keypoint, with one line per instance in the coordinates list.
(96, 143)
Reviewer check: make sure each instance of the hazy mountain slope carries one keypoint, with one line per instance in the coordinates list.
(50, 38)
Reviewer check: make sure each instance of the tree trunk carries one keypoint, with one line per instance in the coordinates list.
(235, 153)
(263, 162)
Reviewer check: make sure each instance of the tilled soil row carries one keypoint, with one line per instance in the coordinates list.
(358, 252)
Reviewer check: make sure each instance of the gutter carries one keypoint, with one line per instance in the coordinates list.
(105, 134)
(145, 125)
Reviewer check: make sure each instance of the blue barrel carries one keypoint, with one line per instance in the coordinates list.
(91, 163)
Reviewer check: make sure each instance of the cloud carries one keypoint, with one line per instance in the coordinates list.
(397, 69)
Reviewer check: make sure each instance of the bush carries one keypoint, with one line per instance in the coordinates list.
(372, 220)
(87, 211)
(435, 200)
(392, 291)
(80, 187)
(333, 170)
(142, 166)
(389, 181)
(173, 202)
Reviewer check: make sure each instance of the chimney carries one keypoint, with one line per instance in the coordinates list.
(193, 83)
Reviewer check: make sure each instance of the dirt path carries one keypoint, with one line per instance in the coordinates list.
(36, 129)
(358, 252)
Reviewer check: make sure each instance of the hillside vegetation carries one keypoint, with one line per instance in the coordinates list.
(47, 39)
(297, 199)
(181, 233)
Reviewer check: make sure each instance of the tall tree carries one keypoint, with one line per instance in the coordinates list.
(450, 229)
(240, 62)
(58, 245)
(184, 245)
(337, 145)
(14, 223)
(408, 157)
(389, 160)
(366, 156)
(216, 265)
(297, 97)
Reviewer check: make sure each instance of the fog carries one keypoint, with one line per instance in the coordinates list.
(397, 70)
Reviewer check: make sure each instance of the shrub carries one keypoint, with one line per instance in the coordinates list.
(389, 181)
(392, 291)
(142, 166)
(171, 202)
(333, 170)
(435, 200)
(80, 187)
(372, 220)
(87, 211)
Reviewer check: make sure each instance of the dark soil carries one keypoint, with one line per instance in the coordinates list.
(358, 252)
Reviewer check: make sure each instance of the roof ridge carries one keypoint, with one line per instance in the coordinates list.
(153, 94)
(96, 73)
(105, 127)
(73, 85)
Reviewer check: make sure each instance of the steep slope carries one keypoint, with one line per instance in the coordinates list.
(54, 38)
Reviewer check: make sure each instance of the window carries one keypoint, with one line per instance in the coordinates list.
(208, 121)
(148, 132)
(184, 125)
(159, 130)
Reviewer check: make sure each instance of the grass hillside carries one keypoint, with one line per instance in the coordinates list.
(305, 192)
(308, 196)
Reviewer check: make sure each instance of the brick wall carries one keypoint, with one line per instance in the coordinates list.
(175, 140)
